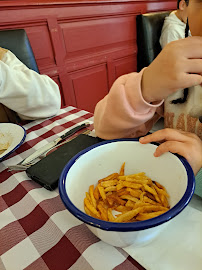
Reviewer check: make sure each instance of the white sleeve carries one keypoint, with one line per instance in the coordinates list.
(168, 35)
(26, 92)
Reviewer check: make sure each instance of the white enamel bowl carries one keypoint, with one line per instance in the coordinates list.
(102, 159)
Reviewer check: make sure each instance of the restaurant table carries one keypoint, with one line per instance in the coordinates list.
(36, 230)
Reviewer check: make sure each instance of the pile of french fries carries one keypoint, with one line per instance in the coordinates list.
(126, 198)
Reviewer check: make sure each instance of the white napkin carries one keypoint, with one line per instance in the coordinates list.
(178, 247)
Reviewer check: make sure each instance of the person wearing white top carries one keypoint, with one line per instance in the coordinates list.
(24, 91)
(175, 24)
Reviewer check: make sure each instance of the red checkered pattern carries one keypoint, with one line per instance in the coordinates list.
(36, 230)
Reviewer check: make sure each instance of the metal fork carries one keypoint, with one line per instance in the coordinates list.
(20, 167)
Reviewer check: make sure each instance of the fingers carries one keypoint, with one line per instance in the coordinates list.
(193, 66)
(191, 80)
(171, 146)
(191, 47)
(165, 134)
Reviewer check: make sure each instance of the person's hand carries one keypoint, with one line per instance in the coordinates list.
(183, 143)
(178, 66)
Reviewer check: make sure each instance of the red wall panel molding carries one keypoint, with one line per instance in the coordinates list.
(82, 45)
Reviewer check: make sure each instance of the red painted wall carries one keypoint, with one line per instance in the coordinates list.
(82, 45)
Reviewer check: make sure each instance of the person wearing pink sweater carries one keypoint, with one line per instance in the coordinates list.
(137, 101)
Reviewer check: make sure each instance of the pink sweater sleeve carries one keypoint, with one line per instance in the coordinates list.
(123, 113)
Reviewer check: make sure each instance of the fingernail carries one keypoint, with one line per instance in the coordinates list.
(155, 154)
(141, 139)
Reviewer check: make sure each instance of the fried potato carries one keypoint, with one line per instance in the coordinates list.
(131, 185)
(91, 192)
(126, 198)
(91, 207)
(122, 170)
(96, 193)
(145, 216)
(102, 192)
(135, 193)
(129, 197)
(110, 188)
(148, 200)
(110, 215)
(122, 208)
(109, 177)
(152, 191)
(109, 183)
(103, 212)
(125, 217)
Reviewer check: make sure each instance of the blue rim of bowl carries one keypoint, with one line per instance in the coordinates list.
(17, 146)
(130, 226)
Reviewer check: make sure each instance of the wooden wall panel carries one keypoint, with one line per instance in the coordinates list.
(39, 37)
(96, 79)
(82, 45)
(125, 65)
(93, 36)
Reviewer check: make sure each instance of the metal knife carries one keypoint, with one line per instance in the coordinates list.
(50, 145)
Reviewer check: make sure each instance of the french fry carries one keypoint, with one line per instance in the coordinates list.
(123, 191)
(162, 195)
(122, 170)
(145, 216)
(140, 205)
(129, 197)
(125, 217)
(136, 197)
(148, 200)
(130, 204)
(110, 188)
(103, 212)
(109, 177)
(159, 185)
(91, 207)
(137, 181)
(152, 191)
(96, 193)
(153, 208)
(136, 176)
(102, 192)
(142, 196)
(122, 208)
(110, 200)
(119, 186)
(149, 195)
(110, 215)
(91, 192)
(164, 200)
(109, 183)
(117, 199)
(135, 193)
(88, 196)
(161, 191)
(131, 185)
(88, 212)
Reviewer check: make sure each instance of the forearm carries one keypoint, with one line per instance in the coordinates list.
(123, 112)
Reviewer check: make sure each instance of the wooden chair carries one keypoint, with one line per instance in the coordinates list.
(148, 34)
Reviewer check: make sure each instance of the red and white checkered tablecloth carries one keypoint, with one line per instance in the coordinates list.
(36, 230)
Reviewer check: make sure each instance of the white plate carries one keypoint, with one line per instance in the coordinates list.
(14, 135)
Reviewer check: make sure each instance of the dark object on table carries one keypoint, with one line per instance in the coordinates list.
(47, 171)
